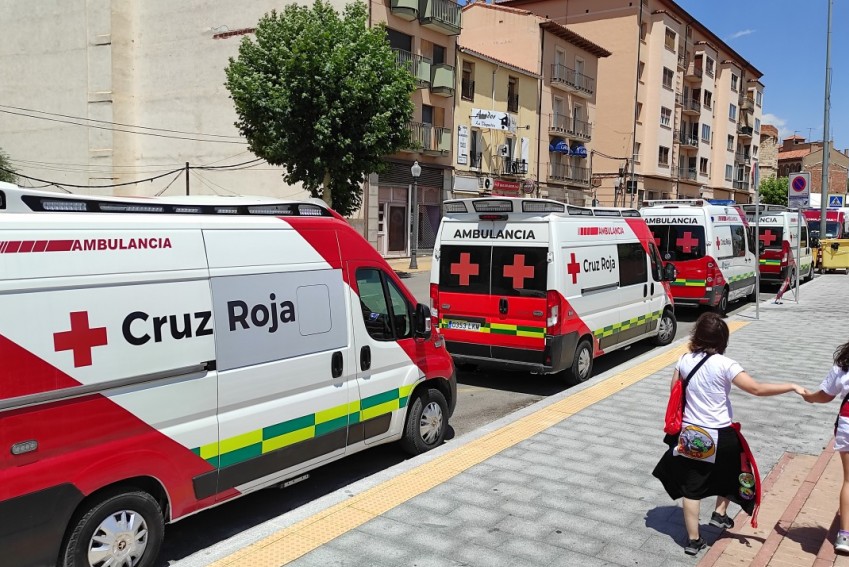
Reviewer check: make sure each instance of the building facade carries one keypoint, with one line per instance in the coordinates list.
(797, 155)
(679, 110)
(768, 159)
(560, 127)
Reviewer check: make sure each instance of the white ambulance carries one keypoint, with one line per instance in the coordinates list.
(533, 284)
(711, 247)
(779, 234)
(165, 356)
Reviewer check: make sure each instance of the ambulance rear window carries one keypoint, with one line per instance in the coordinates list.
(464, 269)
(771, 237)
(679, 242)
(519, 271)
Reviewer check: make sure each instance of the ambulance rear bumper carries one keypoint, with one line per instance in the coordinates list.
(711, 297)
(557, 356)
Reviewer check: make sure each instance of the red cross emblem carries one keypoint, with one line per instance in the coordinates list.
(80, 339)
(768, 237)
(518, 271)
(687, 242)
(464, 268)
(573, 268)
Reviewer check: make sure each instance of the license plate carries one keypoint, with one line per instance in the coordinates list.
(464, 325)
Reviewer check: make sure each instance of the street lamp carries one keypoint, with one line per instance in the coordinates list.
(415, 170)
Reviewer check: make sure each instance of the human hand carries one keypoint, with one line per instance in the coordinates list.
(801, 391)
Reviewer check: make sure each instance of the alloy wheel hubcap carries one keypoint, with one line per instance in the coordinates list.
(119, 541)
(430, 424)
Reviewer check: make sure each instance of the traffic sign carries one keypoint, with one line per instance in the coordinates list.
(799, 190)
(835, 201)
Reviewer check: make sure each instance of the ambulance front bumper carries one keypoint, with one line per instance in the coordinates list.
(557, 355)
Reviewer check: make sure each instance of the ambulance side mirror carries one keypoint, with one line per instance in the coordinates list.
(422, 322)
(815, 242)
(669, 273)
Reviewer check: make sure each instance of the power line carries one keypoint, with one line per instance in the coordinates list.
(122, 130)
(176, 177)
(117, 123)
(90, 186)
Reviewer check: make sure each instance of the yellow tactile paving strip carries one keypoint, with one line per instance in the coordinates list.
(299, 539)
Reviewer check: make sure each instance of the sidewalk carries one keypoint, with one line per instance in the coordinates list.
(403, 264)
(567, 481)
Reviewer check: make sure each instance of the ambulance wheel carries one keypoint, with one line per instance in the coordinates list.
(722, 307)
(427, 422)
(666, 329)
(119, 528)
(582, 364)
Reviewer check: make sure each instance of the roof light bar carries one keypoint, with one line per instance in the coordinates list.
(227, 210)
(606, 213)
(579, 211)
(60, 206)
(187, 210)
(493, 206)
(310, 210)
(455, 207)
(543, 207)
(270, 210)
(127, 208)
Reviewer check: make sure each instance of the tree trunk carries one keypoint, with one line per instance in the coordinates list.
(326, 195)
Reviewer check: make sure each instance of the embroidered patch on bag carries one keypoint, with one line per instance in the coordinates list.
(697, 443)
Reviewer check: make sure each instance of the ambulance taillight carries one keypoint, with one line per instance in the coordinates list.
(434, 304)
(552, 312)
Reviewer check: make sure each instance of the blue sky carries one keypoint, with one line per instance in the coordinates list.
(786, 41)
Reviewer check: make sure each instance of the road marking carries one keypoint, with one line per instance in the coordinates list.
(303, 537)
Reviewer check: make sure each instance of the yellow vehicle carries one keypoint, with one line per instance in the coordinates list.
(834, 255)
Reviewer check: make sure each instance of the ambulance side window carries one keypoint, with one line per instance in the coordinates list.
(656, 263)
(386, 312)
(750, 232)
(633, 268)
(804, 241)
(738, 240)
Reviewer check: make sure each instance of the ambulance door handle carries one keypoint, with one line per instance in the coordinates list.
(336, 364)
(645, 290)
(365, 358)
(502, 305)
(652, 289)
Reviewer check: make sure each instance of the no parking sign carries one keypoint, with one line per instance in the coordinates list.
(799, 190)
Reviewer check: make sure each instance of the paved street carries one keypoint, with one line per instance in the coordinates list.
(565, 481)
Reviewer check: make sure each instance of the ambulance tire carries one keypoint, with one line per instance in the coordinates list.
(427, 422)
(582, 364)
(667, 327)
(721, 308)
(104, 510)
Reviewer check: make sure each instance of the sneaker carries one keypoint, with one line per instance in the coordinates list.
(841, 542)
(777, 302)
(694, 546)
(721, 521)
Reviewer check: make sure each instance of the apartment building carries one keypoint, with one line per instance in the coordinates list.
(496, 117)
(678, 109)
(99, 66)
(560, 127)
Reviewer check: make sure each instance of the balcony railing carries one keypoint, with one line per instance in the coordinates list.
(418, 66)
(442, 79)
(569, 173)
(578, 83)
(742, 185)
(691, 105)
(467, 89)
(743, 157)
(687, 173)
(443, 16)
(429, 138)
(688, 139)
(747, 104)
(581, 129)
(515, 167)
(559, 123)
(694, 71)
(745, 131)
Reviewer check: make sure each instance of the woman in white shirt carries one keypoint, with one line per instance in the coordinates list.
(705, 458)
(837, 384)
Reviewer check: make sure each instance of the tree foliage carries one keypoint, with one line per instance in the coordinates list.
(322, 96)
(6, 170)
(774, 191)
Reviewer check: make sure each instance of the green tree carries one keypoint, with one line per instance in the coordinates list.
(322, 96)
(774, 191)
(7, 172)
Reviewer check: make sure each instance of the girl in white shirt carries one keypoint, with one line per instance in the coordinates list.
(836, 383)
(704, 460)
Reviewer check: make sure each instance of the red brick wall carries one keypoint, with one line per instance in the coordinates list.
(837, 178)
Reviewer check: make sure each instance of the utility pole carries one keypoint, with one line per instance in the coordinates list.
(826, 145)
(187, 178)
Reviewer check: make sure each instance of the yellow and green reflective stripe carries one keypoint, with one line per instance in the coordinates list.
(505, 329)
(625, 325)
(255, 443)
(746, 276)
(689, 283)
(766, 262)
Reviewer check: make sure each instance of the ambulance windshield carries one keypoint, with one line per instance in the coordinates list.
(831, 229)
(679, 242)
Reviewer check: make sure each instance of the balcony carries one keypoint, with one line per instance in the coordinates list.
(682, 58)
(559, 124)
(417, 65)
(679, 99)
(743, 157)
(467, 89)
(694, 71)
(475, 161)
(568, 173)
(691, 106)
(515, 167)
(404, 9)
(430, 139)
(747, 104)
(442, 79)
(741, 185)
(581, 130)
(744, 131)
(569, 80)
(688, 141)
(687, 173)
(443, 16)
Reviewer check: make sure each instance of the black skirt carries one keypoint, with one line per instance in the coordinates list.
(689, 478)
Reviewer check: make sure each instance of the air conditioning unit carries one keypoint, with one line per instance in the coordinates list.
(503, 150)
(485, 183)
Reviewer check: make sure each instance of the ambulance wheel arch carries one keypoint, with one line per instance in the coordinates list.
(427, 420)
(138, 502)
